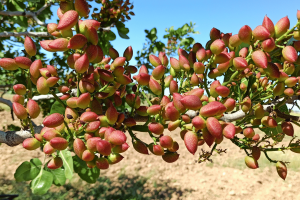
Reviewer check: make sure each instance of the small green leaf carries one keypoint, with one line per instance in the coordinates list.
(122, 30)
(59, 177)
(111, 36)
(284, 109)
(154, 49)
(28, 170)
(153, 31)
(275, 133)
(18, 7)
(122, 35)
(57, 108)
(34, 169)
(68, 163)
(42, 183)
(85, 173)
(22, 170)
(185, 27)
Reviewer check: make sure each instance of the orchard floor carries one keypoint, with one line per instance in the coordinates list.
(139, 176)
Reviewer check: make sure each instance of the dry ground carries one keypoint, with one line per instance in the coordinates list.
(226, 178)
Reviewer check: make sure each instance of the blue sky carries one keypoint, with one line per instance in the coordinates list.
(227, 16)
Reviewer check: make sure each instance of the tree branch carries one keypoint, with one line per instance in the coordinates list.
(38, 34)
(6, 102)
(28, 14)
(18, 34)
(50, 96)
(292, 99)
(233, 116)
(240, 114)
(13, 138)
(25, 14)
(286, 116)
(6, 86)
(35, 34)
(46, 5)
(107, 28)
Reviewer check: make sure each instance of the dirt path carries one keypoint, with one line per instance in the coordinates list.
(226, 178)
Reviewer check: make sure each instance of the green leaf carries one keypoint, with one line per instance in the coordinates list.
(275, 133)
(18, 7)
(122, 30)
(42, 183)
(35, 168)
(28, 170)
(228, 75)
(22, 21)
(22, 170)
(122, 35)
(186, 41)
(153, 31)
(154, 49)
(68, 163)
(249, 84)
(85, 173)
(185, 28)
(284, 109)
(59, 177)
(57, 108)
(111, 36)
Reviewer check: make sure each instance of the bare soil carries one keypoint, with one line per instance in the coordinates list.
(225, 179)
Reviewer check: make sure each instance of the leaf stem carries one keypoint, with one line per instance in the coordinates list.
(153, 137)
(78, 77)
(148, 101)
(103, 88)
(31, 127)
(66, 125)
(29, 85)
(163, 86)
(58, 99)
(132, 135)
(211, 152)
(181, 81)
(136, 95)
(231, 78)
(267, 97)
(273, 161)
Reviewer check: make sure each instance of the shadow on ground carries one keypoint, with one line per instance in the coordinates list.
(122, 187)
